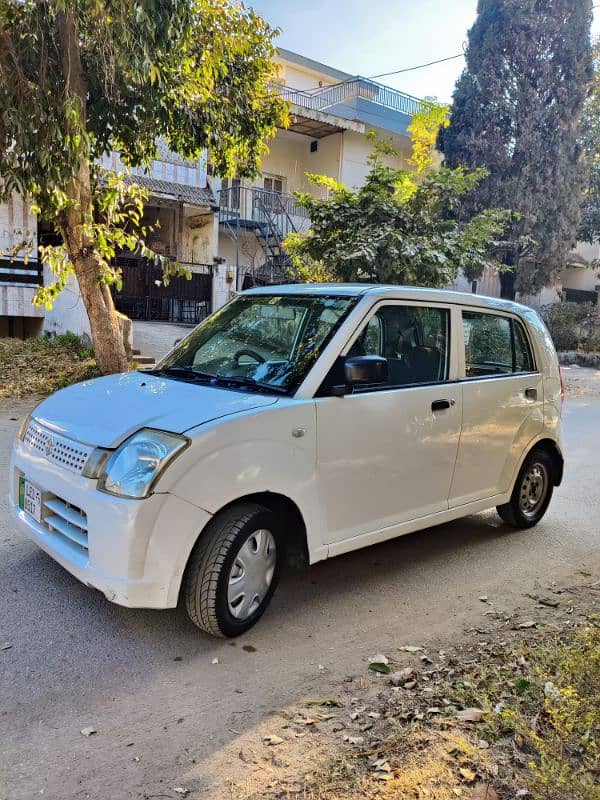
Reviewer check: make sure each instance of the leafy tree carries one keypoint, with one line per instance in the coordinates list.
(516, 110)
(401, 226)
(81, 78)
(589, 229)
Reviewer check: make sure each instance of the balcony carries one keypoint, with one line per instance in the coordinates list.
(360, 100)
(258, 209)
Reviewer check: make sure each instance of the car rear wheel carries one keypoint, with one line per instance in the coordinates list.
(532, 492)
(234, 570)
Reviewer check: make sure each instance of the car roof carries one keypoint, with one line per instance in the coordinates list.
(390, 292)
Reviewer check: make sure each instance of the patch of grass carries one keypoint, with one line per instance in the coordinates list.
(40, 366)
(539, 737)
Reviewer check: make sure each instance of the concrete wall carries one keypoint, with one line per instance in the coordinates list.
(299, 77)
(68, 312)
(488, 284)
(199, 236)
(355, 150)
(224, 284)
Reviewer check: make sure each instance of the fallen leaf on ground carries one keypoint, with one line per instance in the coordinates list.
(379, 663)
(215, 661)
(354, 739)
(304, 720)
(410, 648)
(529, 623)
(549, 601)
(181, 790)
(272, 739)
(467, 774)
(401, 676)
(6, 646)
(470, 714)
(88, 731)
(409, 685)
(483, 791)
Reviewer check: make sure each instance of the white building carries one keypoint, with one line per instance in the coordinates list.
(331, 113)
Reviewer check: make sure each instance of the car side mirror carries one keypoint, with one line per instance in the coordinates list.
(365, 370)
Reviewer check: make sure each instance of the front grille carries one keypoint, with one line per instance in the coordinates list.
(64, 519)
(58, 449)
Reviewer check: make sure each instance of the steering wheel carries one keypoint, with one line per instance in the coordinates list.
(250, 353)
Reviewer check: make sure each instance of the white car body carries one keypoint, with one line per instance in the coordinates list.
(356, 469)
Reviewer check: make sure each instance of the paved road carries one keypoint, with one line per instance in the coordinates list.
(146, 682)
(157, 338)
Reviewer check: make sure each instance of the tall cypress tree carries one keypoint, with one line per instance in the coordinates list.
(589, 229)
(516, 111)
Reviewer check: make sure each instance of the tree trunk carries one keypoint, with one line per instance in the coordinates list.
(109, 347)
(507, 284)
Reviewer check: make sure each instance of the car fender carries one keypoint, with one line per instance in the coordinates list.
(264, 450)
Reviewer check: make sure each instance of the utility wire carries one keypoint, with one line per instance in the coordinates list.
(419, 66)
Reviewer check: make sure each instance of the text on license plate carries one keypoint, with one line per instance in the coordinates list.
(30, 499)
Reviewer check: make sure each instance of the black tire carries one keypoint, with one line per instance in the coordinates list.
(208, 572)
(513, 512)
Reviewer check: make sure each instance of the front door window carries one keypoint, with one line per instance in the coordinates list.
(413, 339)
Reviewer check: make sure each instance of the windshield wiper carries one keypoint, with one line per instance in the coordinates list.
(188, 373)
(251, 383)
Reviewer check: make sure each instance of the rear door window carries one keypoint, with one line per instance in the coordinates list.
(494, 345)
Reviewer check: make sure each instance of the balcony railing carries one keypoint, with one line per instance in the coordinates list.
(330, 96)
(20, 274)
(241, 206)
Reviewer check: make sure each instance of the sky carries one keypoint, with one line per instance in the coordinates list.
(368, 37)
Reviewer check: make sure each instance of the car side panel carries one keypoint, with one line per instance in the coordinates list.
(498, 423)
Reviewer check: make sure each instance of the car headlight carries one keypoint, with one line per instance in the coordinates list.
(136, 465)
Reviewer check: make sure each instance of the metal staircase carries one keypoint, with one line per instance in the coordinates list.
(270, 216)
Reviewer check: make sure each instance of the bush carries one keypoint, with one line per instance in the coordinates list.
(573, 326)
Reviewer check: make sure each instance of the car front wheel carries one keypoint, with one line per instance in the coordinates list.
(234, 570)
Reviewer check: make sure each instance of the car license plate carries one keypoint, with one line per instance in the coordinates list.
(30, 499)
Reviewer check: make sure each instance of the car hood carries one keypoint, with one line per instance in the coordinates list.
(105, 411)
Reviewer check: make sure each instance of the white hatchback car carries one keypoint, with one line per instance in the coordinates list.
(296, 423)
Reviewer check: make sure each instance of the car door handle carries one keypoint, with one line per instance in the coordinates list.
(440, 405)
(531, 393)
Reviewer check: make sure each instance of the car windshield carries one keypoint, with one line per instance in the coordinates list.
(269, 341)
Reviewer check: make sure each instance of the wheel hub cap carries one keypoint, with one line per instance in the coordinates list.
(533, 489)
(251, 574)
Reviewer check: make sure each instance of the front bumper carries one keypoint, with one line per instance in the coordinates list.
(134, 551)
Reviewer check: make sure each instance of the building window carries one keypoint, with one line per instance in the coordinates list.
(230, 193)
(273, 183)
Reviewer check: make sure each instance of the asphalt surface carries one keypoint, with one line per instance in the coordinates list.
(146, 682)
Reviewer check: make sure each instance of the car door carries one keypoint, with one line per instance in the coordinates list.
(386, 453)
(503, 397)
